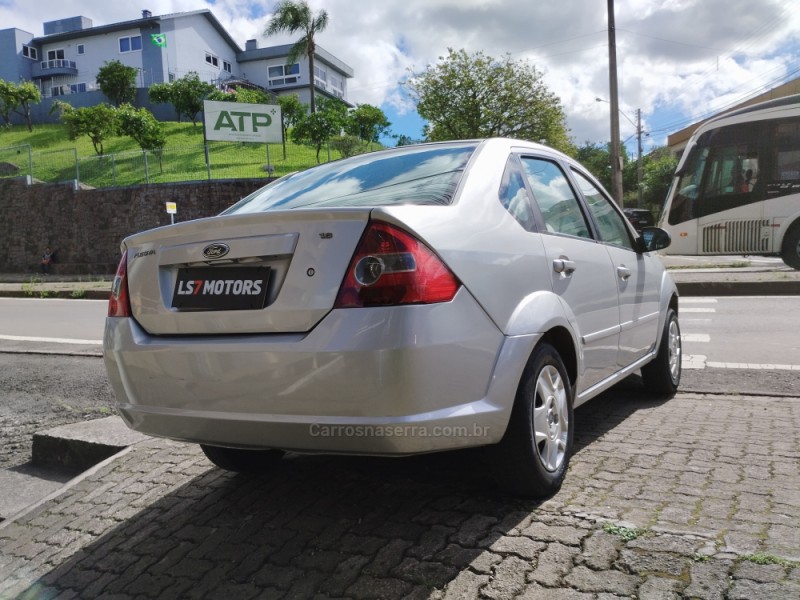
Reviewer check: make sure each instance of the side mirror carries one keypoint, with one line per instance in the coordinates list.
(654, 238)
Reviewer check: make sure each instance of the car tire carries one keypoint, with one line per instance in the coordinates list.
(533, 456)
(242, 461)
(790, 252)
(662, 375)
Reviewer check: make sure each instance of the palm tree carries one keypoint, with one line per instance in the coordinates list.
(296, 16)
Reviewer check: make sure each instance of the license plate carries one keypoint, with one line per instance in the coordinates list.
(221, 288)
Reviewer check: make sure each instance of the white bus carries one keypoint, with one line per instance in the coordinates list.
(737, 186)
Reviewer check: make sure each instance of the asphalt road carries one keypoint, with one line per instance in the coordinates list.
(664, 499)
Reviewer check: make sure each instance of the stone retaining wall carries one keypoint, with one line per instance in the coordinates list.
(85, 227)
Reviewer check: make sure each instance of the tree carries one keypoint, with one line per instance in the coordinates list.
(367, 122)
(293, 16)
(142, 126)
(17, 98)
(292, 110)
(317, 128)
(347, 145)
(98, 122)
(245, 95)
(117, 82)
(659, 170)
(476, 96)
(185, 94)
(597, 159)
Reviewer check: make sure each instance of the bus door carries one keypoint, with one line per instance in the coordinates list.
(730, 215)
(681, 211)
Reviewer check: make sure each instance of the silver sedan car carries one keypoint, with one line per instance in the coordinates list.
(418, 299)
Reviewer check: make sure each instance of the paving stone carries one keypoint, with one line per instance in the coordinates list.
(612, 582)
(759, 573)
(553, 565)
(534, 591)
(743, 589)
(466, 586)
(708, 580)
(508, 579)
(660, 588)
(644, 563)
(430, 574)
(521, 546)
(387, 558)
(371, 587)
(600, 550)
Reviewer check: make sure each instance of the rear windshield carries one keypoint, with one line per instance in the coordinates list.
(414, 175)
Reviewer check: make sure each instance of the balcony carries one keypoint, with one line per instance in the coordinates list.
(51, 68)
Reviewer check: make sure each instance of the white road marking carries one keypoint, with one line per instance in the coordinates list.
(698, 310)
(24, 338)
(699, 300)
(756, 367)
(696, 337)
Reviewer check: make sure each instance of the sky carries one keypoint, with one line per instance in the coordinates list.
(678, 60)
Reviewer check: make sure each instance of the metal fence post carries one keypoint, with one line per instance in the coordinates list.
(208, 161)
(114, 170)
(77, 172)
(146, 173)
(30, 163)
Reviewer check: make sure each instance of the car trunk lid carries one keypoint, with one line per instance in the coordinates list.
(275, 272)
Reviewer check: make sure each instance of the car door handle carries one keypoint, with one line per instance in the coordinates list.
(623, 272)
(564, 265)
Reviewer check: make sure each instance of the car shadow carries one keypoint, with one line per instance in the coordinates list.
(327, 525)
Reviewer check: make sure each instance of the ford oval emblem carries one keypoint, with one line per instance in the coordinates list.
(216, 250)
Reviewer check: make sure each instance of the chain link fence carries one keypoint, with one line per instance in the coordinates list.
(214, 160)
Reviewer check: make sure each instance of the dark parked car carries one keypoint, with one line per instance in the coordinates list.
(639, 217)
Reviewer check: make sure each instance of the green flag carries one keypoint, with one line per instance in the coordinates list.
(159, 39)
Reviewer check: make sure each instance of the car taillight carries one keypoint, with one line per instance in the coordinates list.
(119, 304)
(391, 267)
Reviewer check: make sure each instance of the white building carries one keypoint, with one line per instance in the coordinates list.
(67, 58)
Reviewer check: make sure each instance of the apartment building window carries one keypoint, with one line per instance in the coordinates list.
(55, 54)
(337, 86)
(132, 43)
(59, 90)
(211, 59)
(81, 49)
(227, 66)
(320, 77)
(76, 88)
(284, 74)
(30, 52)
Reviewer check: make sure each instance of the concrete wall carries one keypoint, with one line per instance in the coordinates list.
(86, 227)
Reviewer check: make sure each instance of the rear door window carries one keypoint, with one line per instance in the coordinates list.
(555, 198)
(610, 224)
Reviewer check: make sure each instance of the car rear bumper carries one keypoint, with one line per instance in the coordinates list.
(396, 380)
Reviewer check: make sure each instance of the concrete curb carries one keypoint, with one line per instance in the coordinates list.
(739, 288)
(84, 295)
(81, 445)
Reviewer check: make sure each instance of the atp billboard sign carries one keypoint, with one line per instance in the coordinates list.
(240, 122)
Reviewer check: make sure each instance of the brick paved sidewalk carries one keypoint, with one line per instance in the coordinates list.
(695, 497)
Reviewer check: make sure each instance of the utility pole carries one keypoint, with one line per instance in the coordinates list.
(616, 157)
(639, 154)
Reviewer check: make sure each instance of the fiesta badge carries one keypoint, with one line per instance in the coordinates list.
(216, 250)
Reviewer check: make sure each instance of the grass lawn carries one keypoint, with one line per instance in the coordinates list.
(54, 157)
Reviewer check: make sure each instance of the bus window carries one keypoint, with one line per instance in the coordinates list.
(683, 203)
(786, 173)
(731, 169)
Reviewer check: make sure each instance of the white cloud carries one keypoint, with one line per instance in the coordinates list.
(677, 59)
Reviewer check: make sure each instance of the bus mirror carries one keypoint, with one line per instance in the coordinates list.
(654, 238)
